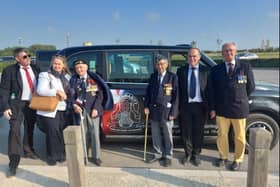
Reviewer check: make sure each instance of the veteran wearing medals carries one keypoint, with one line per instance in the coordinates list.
(161, 104)
(89, 95)
(233, 82)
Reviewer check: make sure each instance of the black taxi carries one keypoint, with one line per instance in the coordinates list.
(127, 68)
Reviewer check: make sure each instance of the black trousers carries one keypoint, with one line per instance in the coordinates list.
(28, 117)
(192, 120)
(53, 127)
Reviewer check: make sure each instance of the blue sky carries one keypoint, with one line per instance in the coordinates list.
(246, 22)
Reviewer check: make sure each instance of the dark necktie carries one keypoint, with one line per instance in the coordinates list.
(29, 80)
(192, 84)
(159, 78)
(83, 88)
(83, 84)
(230, 69)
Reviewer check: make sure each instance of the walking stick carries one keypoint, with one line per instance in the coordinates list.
(146, 130)
(83, 138)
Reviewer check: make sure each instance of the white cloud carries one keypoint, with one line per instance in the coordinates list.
(116, 16)
(153, 16)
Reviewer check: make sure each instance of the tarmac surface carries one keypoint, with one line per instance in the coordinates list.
(56, 176)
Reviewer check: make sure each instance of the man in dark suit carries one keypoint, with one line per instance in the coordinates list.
(161, 104)
(194, 88)
(17, 84)
(233, 82)
(90, 95)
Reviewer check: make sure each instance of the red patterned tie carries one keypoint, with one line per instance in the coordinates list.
(28, 77)
(230, 69)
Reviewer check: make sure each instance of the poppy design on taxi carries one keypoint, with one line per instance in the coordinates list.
(126, 114)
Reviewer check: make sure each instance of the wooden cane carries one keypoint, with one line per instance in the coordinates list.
(146, 131)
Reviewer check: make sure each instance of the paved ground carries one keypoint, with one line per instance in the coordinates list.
(132, 177)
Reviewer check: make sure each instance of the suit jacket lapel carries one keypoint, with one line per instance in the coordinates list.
(186, 74)
(236, 67)
(18, 77)
(201, 78)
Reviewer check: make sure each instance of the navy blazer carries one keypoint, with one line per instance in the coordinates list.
(11, 87)
(204, 82)
(162, 106)
(231, 94)
(102, 100)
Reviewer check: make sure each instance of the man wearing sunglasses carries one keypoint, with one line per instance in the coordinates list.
(17, 85)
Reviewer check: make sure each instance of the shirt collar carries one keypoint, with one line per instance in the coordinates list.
(22, 67)
(162, 74)
(232, 62)
(196, 66)
(85, 76)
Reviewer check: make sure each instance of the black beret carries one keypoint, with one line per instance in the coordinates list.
(80, 61)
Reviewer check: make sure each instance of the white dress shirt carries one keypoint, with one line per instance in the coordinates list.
(227, 66)
(26, 92)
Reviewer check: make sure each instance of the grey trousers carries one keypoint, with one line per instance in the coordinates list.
(162, 138)
(92, 126)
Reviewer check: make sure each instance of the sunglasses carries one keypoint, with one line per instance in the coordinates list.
(26, 56)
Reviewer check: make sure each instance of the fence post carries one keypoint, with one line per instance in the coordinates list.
(74, 156)
(260, 140)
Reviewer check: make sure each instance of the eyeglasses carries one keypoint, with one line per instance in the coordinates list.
(26, 56)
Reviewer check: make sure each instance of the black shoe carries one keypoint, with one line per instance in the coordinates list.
(152, 160)
(185, 160)
(166, 162)
(221, 162)
(11, 172)
(195, 160)
(31, 155)
(61, 160)
(97, 162)
(51, 162)
(235, 166)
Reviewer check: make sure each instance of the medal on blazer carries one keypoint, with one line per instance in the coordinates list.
(92, 87)
(167, 89)
(241, 78)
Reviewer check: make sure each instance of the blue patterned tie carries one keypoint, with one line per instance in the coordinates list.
(83, 88)
(192, 84)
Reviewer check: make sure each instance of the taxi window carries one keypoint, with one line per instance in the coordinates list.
(129, 66)
(177, 60)
(90, 57)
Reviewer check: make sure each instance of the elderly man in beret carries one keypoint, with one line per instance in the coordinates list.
(90, 96)
(161, 103)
